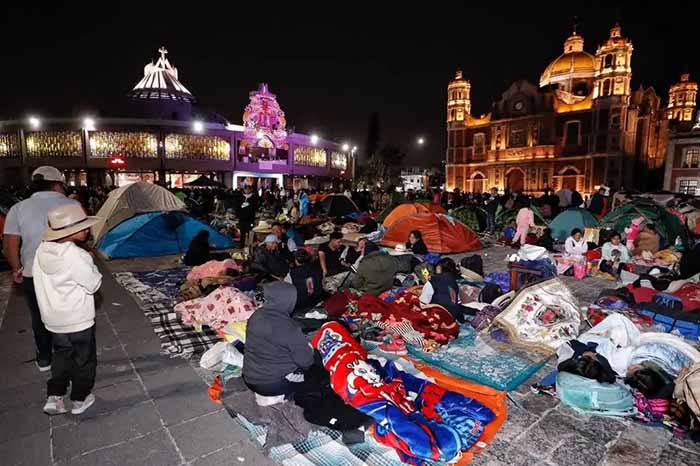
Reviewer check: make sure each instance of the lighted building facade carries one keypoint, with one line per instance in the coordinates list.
(583, 126)
(682, 172)
(168, 137)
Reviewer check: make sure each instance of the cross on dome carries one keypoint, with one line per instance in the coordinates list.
(163, 52)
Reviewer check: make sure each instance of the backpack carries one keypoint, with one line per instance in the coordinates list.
(688, 388)
(474, 263)
(588, 396)
(490, 293)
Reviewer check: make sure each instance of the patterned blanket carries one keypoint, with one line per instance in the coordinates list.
(157, 291)
(484, 360)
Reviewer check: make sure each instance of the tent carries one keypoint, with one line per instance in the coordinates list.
(667, 224)
(473, 217)
(157, 234)
(569, 219)
(404, 210)
(132, 199)
(205, 182)
(338, 205)
(441, 233)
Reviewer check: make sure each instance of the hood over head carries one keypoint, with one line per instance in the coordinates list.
(280, 297)
(51, 258)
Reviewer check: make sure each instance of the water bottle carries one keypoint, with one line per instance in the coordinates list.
(678, 244)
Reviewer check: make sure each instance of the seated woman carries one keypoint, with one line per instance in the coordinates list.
(575, 246)
(276, 350)
(198, 252)
(375, 272)
(442, 289)
(647, 240)
(616, 349)
(614, 255)
(415, 243)
(307, 278)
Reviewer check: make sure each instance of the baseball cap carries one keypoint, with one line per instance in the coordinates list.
(272, 239)
(49, 173)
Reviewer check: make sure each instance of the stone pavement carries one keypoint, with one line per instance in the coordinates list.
(152, 410)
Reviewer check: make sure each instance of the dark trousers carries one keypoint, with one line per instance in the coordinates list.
(42, 337)
(244, 229)
(490, 222)
(74, 361)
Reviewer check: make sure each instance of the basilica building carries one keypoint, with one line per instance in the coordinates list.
(582, 126)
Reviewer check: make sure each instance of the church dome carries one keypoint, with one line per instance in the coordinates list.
(574, 63)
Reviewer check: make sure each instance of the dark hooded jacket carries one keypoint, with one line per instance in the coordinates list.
(375, 274)
(275, 345)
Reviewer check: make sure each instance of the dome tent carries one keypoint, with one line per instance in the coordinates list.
(132, 199)
(569, 219)
(157, 234)
(405, 210)
(441, 233)
(338, 205)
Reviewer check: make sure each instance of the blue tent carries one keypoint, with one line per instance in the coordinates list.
(569, 219)
(157, 234)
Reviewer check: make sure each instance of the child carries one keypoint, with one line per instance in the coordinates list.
(66, 278)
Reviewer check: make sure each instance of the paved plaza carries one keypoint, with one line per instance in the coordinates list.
(154, 410)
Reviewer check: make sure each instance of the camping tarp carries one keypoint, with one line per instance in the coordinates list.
(338, 205)
(441, 233)
(405, 210)
(569, 219)
(132, 199)
(157, 234)
(667, 224)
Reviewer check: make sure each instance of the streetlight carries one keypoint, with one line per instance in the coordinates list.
(346, 147)
(198, 126)
(88, 124)
(34, 122)
(314, 139)
(420, 141)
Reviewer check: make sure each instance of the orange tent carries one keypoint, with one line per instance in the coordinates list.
(317, 197)
(405, 210)
(441, 233)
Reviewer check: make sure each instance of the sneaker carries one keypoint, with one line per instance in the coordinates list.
(396, 346)
(79, 407)
(55, 405)
(262, 400)
(43, 366)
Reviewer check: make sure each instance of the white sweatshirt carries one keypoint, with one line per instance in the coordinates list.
(65, 280)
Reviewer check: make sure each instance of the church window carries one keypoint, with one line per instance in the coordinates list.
(608, 62)
(615, 122)
(479, 143)
(692, 158)
(517, 138)
(689, 187)
(572, 133)
(606, 87)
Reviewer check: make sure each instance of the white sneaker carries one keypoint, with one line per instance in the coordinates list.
(42, 366)
(79, 407)
(55, 405)
(269, 400)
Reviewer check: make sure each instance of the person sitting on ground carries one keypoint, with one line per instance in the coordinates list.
(614, 255)
(198, 253)
(330, 255)
(415, 243)
(575, 246)
(376, 270)
(66, 280)
(286, 246)
(269, 260)
(647, 240)
(276, 351)
(615, 348)
(307, 278)
(546, 241)
(442, 289)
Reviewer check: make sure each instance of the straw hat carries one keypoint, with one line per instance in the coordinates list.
(399, 250)
(262, 227)
(66, 220)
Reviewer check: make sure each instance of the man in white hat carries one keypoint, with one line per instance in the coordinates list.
(24, 225)
(66, 280)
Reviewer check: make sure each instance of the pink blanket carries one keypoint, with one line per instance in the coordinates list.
(226, 304)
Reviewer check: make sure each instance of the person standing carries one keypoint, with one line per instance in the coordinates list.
(66, 280)
(523, 221)
(491, 210)
(246, 213)
(24, 225)
(597, 203)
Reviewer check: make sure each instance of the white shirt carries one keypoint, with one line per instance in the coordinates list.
(575, 248)
(29, 219)
(426, 296)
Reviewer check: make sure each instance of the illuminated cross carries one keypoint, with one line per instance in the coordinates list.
(163, 52)
(575, 24)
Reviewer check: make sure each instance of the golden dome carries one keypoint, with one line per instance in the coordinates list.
(573, 63)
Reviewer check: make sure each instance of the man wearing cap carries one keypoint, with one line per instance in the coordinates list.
(269, 260)
(24, 226)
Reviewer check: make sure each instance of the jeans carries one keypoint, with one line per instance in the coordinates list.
(74, 361)
(490, 222)
(42, 337)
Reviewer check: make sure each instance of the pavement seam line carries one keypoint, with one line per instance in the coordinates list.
(196, 418)
(145, 389)
(108, 413)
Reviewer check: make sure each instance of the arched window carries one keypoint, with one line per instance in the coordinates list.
(608, 61)
(606, 87)
(478, 183)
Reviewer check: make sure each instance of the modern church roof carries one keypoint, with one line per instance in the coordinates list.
(160, 81)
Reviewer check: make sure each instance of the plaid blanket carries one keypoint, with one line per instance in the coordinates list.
(157, 291)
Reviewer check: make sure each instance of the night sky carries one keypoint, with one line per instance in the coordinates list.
(330, 65)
